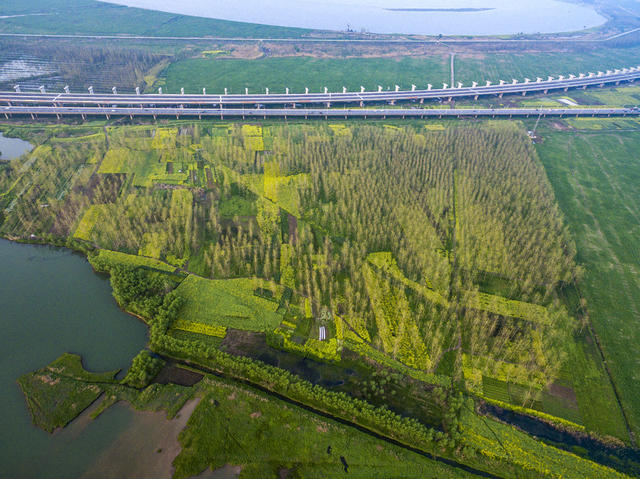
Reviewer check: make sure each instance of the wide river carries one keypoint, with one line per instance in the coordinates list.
(52, 302)
(420, 17)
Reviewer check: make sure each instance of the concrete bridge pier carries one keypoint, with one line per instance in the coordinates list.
(566, 89)
(475, 97)
(6, 116)
(421, 101)
(584, 87)
(108, 117)
(546, 91)
(328, 104)
(524, 93)
(361, 104)
(500, 95)
(84, 117)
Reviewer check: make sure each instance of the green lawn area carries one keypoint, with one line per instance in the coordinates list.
(229, 302)
(596, 178)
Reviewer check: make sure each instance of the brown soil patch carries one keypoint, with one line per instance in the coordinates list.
(560, 126)
(239, 342)
(293, 228)
(256, 415)
(322, 428)
(565, 393)
(146, 449)
(172, 374)
(47, 380)
(232, 396)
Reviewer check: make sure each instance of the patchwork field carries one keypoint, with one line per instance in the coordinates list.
(431, 262)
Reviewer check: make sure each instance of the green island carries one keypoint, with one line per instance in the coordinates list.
(444, 298)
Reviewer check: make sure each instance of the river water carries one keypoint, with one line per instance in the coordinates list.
(52, 302)
(420, 17)
(12, 148)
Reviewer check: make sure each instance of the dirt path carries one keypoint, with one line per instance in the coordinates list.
(145, 449)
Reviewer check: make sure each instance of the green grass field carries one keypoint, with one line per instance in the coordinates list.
(111, 258)
(596, 177)
(228, 302)
(94, 18)
(235, 425)
(296, 73)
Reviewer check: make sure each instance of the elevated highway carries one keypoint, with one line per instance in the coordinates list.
(327, 99)
(36, 112)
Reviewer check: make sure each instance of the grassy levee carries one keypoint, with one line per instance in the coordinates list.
(106, 259)
(269, 435)
(595, 177)
(296, 73)
(90, 17)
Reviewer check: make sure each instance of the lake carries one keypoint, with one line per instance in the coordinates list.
(12, 148)
(53, 302)
(420, 17)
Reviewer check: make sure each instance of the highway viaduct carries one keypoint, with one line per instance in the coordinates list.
(326, 99)
(36, 112)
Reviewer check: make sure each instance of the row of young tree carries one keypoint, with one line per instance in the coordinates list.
(447, 205)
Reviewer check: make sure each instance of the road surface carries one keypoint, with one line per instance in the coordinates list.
(512, 87)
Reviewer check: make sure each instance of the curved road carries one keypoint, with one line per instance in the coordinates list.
(539, 85)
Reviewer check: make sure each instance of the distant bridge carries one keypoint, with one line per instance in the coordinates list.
(84, 112)
(327, 98)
